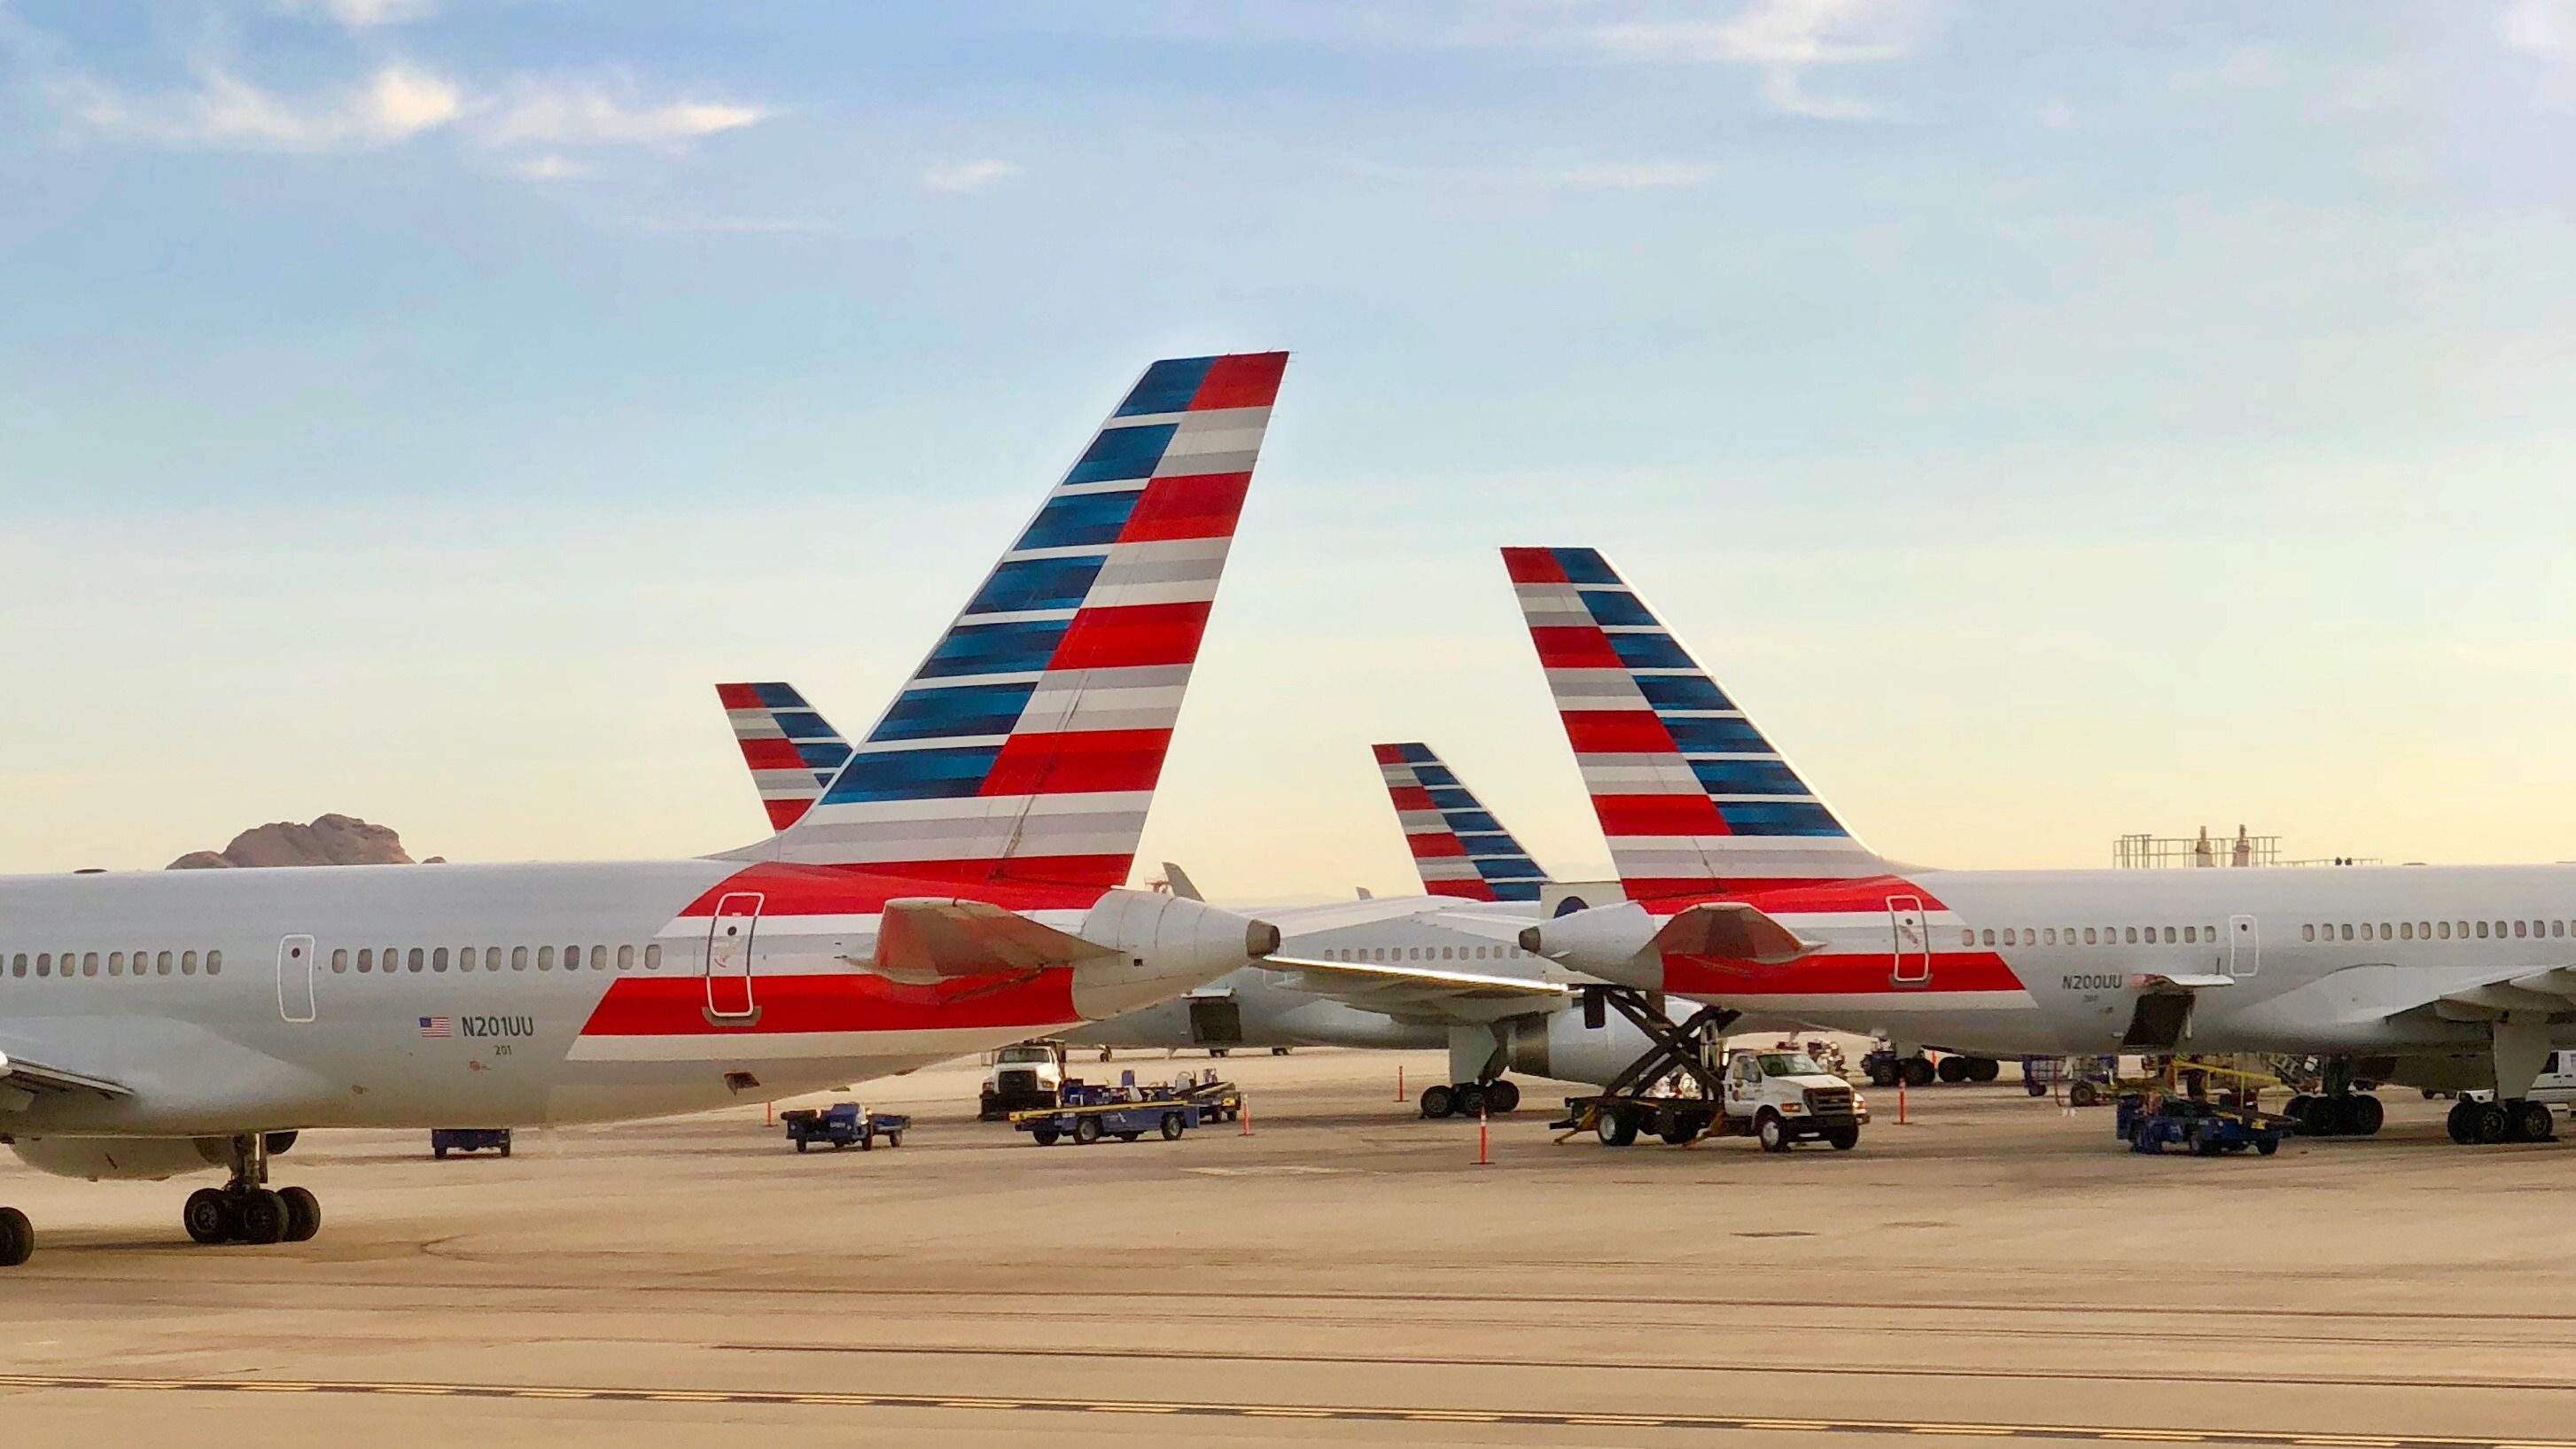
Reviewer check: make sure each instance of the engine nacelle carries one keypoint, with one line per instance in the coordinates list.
(138, 1159)
(1559, 1045)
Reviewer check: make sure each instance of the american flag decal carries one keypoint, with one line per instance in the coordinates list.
(438, 1026)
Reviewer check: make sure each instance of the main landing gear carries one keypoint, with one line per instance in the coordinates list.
(1471, 1099)
(2338, 1111)
(2515, 1120)
(1886, 1069)
(245, 1210)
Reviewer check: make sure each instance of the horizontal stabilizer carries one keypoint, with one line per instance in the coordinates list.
(1732, 931)
(928, 939)
(1379, 973)
(2153, 980)
(1180, 883)
(36, 1076)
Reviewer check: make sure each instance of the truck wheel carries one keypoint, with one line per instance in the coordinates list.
(2268, 1145)
(1614, 1127)
(1844, 1139)
(802, 1144)
(1502, 1096)
(1172, 1126)
(1773, 1131)
(1129, 1136)
(894, 1139)
(439, 1152)
(1438, 1101)
(1679, 1132)
(1086, 1130)
(1916, 1072)
(1952, 1070)
(505, 1147)
(2082, 1094)
(1984, 1069)
(1044, 1134)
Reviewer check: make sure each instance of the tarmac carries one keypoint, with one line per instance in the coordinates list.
(1995, 1267)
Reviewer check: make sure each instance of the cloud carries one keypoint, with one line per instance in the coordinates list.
(550, 167)
(362, 14)
(967, 175)
(604, 113)
(223, 111)
(1783, 39)
(2545, 28)
(1633, 175)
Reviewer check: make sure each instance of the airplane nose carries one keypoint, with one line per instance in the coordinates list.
(1164, 945)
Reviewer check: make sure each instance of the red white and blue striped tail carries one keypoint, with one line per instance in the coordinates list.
(1458, 846)
(791, 750)
(1690, 794)
(1027, 745)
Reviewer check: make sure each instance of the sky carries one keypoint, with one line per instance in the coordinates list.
(2050, 421)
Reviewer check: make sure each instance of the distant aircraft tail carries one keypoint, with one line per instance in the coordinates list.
(791, 750)
(1027, 745)
(1690, 794)
(1460, 849)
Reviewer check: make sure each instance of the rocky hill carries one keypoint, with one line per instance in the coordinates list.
(329, 840)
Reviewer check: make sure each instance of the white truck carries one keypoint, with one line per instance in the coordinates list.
(1778, 1096)
(1023, 1078)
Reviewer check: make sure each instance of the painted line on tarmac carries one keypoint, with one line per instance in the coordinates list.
(2095, 1433)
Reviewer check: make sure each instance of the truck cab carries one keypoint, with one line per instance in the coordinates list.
(1782, 1096)
(1023, 1078)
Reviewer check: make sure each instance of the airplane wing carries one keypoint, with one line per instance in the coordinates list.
(1419, 992)
(2550, 990)
(929, 939)
(37, 1077)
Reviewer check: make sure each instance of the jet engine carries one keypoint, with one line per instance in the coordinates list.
(1559, 1045)
(143, 1159)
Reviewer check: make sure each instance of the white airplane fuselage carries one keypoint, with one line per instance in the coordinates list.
(224, 1001)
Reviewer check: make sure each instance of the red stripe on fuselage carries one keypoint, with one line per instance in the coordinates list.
(1035, 883)
(676, 1005)
(1869, 974)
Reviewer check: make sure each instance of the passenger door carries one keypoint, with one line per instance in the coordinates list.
(1911, 941)
(294, 978)
(2244, 946)
(729, 994)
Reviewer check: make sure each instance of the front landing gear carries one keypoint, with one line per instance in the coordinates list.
(245, 1210)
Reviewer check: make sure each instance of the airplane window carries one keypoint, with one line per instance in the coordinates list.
(2518, 929)
(625, 958)
(2482, 930)
(464, 958)
(438, 959)
(2132, 938)
(2558, 928)
(417, 959)
(18, 964)
(1990, 937)
(2048, 937)
(2191, 935)
(88, 959)
(366, 960)
(214, 963)
(2088, 935)
(545, 958)
(2008, 936)
(2347, 932)
(518, 958)
(2308, 932)
(339, 961)
(653, 958)
(2406, 930)
(2444, 929)
(116, 964)
(1968, 937)
(599, 958)
(45, 965)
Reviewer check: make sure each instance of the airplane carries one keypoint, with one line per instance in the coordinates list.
(1744, 890)
(1403, 973)
(956, 886)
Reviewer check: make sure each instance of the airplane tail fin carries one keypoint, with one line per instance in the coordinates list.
(1690, 794)
(1460, 849)
(791, 750)
(1027, 745)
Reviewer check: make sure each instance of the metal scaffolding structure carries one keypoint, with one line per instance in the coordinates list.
(2161, 852)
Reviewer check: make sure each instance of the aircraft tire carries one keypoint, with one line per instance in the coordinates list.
(1502, 1095)
(2318, 1118)
(1471, 1099)
(303, 1213)
(1916, 1071)
(17, 1238)
(2538, 1124)
(2492, 1124)
(1439, 1100)
(208, 1216)
(2458, 1124)
(1984, 1069)
(1952, 1070)
(259, 1218)
(2359, 1115)
(1880, 1071)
